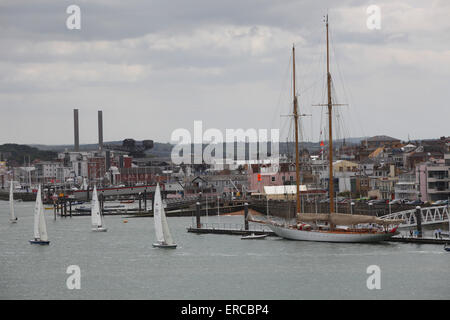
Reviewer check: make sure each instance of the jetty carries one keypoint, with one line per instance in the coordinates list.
(227, 228)
(419, 240)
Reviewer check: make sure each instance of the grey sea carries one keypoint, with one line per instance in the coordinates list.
(121, 264)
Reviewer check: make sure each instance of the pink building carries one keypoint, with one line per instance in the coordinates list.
(433, 179)
(268, 175)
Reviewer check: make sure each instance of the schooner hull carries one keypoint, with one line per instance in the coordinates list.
(319, 236)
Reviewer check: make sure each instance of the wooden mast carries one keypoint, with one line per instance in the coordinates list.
(297, 168)
(330, 131)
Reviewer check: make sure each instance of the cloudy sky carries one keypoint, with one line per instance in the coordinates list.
(155, 66)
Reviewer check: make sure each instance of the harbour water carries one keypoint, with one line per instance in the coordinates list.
(121, 264)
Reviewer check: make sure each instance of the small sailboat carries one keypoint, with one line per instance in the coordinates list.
(13, 218)
(163, 236)
(40, 228)
(96, 216)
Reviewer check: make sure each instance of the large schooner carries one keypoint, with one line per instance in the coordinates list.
(332, 226)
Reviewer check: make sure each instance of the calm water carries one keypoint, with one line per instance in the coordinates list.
(121, 264)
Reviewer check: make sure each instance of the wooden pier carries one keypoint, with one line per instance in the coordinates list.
(419, 240)
(224, 230)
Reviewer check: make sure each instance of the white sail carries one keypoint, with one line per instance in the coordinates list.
(165, 228)
(11, 201)
(42, 224)
(157, 216)
(96, 218)
(37, 211)
(84, 185)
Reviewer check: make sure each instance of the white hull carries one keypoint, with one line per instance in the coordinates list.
(254, 237)
(163, 245)
(322, 236)
(13, 221)
(99, 229)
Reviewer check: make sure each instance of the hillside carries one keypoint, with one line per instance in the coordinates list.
(17, 154)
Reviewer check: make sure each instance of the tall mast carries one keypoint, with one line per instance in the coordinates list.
(297, 168)
(330, 132)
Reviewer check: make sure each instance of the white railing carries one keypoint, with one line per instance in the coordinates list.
(429, 215)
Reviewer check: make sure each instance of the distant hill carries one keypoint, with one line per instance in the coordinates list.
(164, 149)
(17, 154)
(158, 150)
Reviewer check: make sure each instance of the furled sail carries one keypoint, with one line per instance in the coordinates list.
(345, 219)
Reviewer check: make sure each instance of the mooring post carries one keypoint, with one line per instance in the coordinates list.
(70, 207)
(419, 221)
(197, 213)
(140, 201)
(246, 216)
(145, 200)
(153, 201)
(54, 208)
(102, 203)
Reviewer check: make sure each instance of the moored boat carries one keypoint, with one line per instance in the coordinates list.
(339, 227)
(254, 237)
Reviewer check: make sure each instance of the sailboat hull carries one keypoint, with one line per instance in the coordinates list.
(99, 229)
(323, 236)
(40, 242)
(13, 221)
(164, 246)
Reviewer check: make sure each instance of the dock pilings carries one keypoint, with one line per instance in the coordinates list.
(246, 216)
(419, 221)
(197, 215)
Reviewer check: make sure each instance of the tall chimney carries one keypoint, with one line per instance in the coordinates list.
(76, 131)
(100, 130)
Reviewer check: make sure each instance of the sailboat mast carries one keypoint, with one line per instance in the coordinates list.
(330, 131)
(297, 168)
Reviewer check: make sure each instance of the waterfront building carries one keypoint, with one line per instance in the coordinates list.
(406, 187)
(433, 179)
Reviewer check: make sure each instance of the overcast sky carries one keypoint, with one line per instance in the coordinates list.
(155, 66)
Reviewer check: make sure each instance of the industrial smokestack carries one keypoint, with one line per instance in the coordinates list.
(76, 131)
(100, 130)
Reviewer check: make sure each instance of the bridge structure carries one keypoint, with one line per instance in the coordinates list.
(428, 216)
